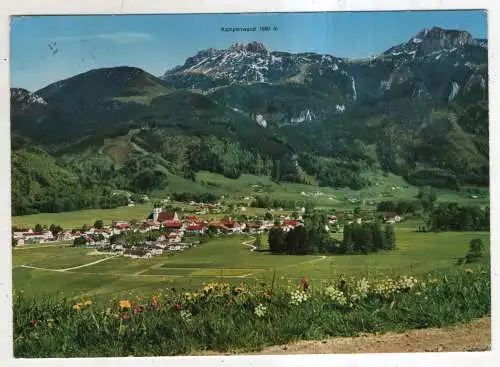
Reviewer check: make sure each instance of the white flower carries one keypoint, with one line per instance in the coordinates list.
(297, 297)
(260, 310)
(186, 315)
(363, 286)
(336, 295)
(407, 282)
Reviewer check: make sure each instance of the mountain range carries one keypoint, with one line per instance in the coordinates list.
(419, 110)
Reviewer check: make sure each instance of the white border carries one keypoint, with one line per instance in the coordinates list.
(35, 7)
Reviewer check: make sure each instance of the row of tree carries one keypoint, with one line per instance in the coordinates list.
(455, 217)
(400, 207)
(313, 237)
(205, 197)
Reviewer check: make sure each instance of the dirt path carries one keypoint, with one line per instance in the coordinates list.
(72, 268)
(475, 336)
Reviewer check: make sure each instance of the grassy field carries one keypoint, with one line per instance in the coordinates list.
(232, 317)
(227, 259)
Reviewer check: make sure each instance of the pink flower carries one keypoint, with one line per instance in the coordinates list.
(178, 306)
(139, 309)
(34, 322)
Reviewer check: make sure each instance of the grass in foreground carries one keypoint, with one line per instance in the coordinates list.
(225, 317)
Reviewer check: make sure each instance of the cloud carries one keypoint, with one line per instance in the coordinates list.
(119, 37)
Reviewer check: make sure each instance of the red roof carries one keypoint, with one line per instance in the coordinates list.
(172, 224)
(165, 216)
(197, 227)
(290, 222)
(229, 224)
(193, 218)
(122, 225)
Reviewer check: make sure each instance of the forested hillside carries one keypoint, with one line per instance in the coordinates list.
(418, 110)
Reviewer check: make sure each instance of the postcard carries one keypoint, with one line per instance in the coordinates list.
(250, 184)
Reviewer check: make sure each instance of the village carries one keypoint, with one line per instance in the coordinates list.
(168, 231)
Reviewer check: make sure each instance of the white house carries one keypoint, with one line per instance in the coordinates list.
(156, 251)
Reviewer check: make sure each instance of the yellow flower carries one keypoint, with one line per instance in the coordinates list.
(468, 270)
(125, 304)
(77, 306)
(87, 302)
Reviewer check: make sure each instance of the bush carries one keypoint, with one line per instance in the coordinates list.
(476, 251)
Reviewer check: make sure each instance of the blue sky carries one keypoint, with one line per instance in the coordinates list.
(156, 43)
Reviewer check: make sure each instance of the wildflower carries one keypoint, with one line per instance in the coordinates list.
(77, 306)
(239, 290)
(468, 270)
(363, 286)
(186, 315)
(260, 310)
(139, 309)
(108, 311)
(125, 304)
(87, 302)
(304, 283)
(34, 322)
(297, 297)
(230, 302)
(50, 323)
(124, 316)
(406, 283)
(268, 294)
(178, 306)
(336, 295)
(154, 302)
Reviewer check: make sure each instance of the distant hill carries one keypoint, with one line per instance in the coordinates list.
(419, 110)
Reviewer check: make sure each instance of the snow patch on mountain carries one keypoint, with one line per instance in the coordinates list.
(454, 90)
(353, 86)
(261, 121)
(304, 116)
(340, 108)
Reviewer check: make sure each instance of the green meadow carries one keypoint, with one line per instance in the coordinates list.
(226, 259)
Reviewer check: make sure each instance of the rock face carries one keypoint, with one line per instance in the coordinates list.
(436, 39)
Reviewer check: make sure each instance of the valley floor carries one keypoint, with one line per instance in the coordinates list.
(472, 337)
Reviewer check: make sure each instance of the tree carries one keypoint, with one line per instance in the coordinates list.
(55, 229)
(390, 237)
(268, 216)
(476, 250)
(38, 228)
(428, 198)
(99, 224)
(309, 207)
(258, 242)
(276, 240)
(79, 241)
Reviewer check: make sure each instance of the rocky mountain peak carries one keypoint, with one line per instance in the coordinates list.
(436, 38)
(255, 47)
